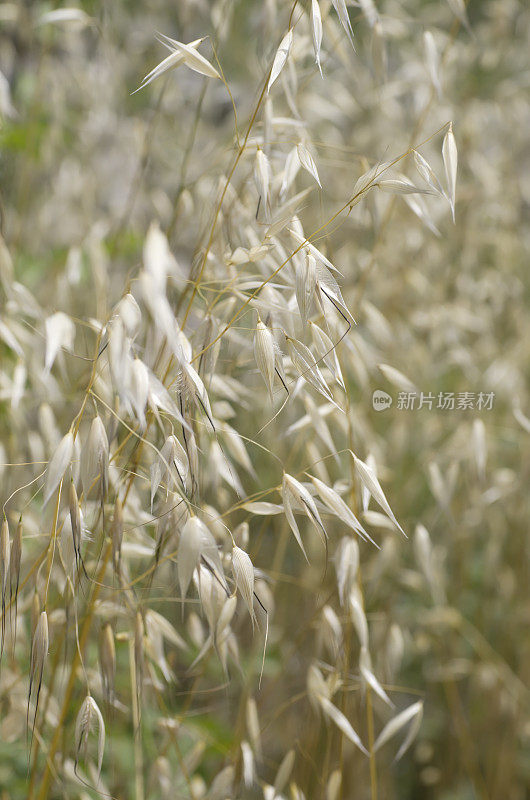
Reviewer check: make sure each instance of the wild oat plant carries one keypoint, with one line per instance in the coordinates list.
(264, 406)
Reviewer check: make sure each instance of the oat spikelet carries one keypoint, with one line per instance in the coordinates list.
(130, 313)
(76, 521)
(189, 550)
(316, 31)
(173, 60)
(342, 723)
(306, 282)
(281, 57)
(327, 352)
(337, 506)
(305, 364)
(95, 460)
(293, 490)
(264, 354)
(88, 715)
(263, 179)
(308, 162)
(107, 661)
(412, 713)
(342, 13)
(253, 726)
(458, 7)
(450, 159)
(432, 59)
(60, 333)
(334, 785)
(117, 534)
(58, 465)
(39, 651)
(365, 668)
(191, 57)
(243, 571)
(370, 482)
(346, 566)
(284, 772)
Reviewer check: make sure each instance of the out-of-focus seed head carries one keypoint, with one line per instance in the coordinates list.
(107, 659)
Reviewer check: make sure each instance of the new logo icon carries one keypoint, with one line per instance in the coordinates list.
(381, 400)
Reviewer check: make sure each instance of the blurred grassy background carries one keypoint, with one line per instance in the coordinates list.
(85, 164)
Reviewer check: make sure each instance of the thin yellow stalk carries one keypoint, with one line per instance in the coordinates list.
(137, 730)
(47, 777)
(373, 766)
